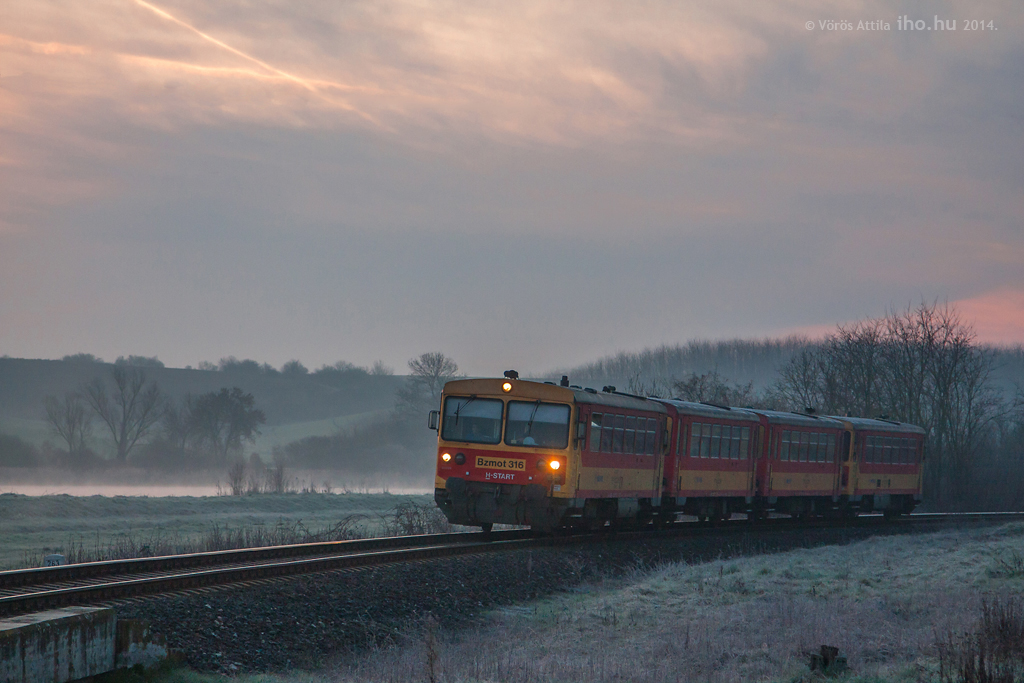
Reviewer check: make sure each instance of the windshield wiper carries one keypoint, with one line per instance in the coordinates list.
(529, 425)
(459, 409)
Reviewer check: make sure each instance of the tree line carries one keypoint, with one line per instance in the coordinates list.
(923, 366)
(129, 409)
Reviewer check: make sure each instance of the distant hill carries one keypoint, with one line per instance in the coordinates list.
(286, 398)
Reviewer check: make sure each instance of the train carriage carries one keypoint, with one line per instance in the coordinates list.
(710, 467)
(519, 452)
(800, 475)
(882, 470)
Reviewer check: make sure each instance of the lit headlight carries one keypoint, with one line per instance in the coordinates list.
(506, 387)
(554, 464)
(446, 457)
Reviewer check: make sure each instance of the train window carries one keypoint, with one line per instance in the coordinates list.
(630, 435)
(887, 453)
(641, 436)
(734, 452)
(695, 440)
(620, 429)
(705, 440)
(805, 441)
(716, 440)
(786, 436)
(869, 449)
(652, 436)
(533, 423)
(595, 432)
(745, 443)
(607, 433)
(473, 420)
(830, 452)
(908, 452)
(812, 447)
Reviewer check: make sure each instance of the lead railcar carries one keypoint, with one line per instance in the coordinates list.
(517, 452)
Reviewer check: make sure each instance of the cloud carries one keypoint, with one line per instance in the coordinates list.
(670, 170)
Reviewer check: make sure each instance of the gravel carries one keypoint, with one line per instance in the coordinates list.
(301, 622)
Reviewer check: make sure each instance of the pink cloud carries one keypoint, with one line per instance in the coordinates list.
(997, 316)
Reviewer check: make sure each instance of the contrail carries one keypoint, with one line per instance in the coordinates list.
(283, 74)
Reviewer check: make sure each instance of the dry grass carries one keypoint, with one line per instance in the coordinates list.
(405, 519)
(885, 602)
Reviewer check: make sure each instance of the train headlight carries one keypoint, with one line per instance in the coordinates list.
(446, 457)
(460, 458)
(554, 464)
(506, 387)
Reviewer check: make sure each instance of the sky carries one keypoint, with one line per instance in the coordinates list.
(518, 184)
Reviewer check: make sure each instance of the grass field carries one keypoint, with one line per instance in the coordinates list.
(885, 602)
(32, 526)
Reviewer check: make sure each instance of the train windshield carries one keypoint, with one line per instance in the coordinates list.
(472, 419)
(542, 425)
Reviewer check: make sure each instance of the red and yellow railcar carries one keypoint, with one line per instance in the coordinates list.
(512, 451)
(882, 469)
(711, 465)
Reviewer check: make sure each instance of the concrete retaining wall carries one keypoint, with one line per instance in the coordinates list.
(73, 643)
(57, 645)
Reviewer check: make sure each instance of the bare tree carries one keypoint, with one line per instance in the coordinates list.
(710, 387)
(130, 410)
(431, 370)
(68, 419)
(922, 366)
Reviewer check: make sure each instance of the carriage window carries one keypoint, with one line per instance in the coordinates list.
(716, 440)
(888, 457)
(652, 436)
(695, 440)
(705, 441)
(627, 445)
(812, 447)
(745, 443)
(620, 430)
(595, 432)
(786, 436)
(830, 453)
(607, 433)
(869, 449)
(734, 452)
(805, 441)
(474, 420)
(641, 438)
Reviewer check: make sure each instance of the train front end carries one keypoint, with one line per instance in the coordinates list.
(505, 452)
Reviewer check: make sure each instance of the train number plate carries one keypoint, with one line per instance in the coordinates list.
(501, 463)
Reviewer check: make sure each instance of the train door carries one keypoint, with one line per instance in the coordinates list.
(663, 452)
(837, 463)
(848, 474)
(754, 451)
(581, 436)
(758, 461)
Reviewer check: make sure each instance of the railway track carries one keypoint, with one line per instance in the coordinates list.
(30, 590)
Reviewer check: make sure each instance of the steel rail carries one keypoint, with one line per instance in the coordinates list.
(141, 565)
(148, 576)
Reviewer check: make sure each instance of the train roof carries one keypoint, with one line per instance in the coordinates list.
(523, 389)
(798, 419)
(708, 410)
(877, 425)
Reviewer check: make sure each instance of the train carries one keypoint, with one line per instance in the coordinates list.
(554, 456)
